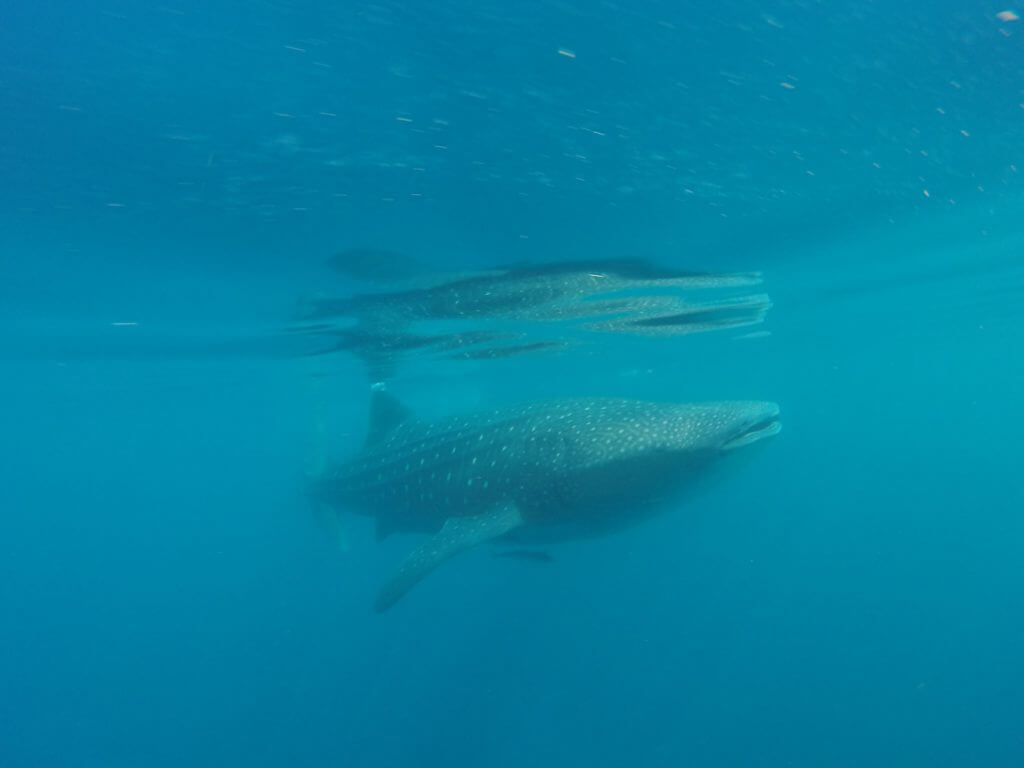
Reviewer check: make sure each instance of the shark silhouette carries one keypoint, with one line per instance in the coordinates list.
(537, 473)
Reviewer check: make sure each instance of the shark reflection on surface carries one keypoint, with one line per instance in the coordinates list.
(528, 309)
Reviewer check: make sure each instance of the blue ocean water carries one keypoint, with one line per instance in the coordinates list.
(175, 179)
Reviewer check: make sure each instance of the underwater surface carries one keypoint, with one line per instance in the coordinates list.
(183, 181)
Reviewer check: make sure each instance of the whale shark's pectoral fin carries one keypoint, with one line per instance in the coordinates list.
(457, 535)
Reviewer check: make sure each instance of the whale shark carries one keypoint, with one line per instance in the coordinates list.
(531, 474)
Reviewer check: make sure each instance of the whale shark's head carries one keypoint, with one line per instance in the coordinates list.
(629, 452)
(722, 426)
(614, 431)
(634, 429)
(657, 436)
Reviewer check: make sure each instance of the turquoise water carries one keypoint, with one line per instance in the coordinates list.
(177, 178)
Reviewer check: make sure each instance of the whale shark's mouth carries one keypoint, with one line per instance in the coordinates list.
(758, 430)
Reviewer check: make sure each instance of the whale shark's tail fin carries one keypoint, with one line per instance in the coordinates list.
(386, 414)
(457, 535)
(328, 521)
(316, 469)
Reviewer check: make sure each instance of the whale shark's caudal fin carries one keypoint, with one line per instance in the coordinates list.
(457, 535)
(328, 521)
(386, 413)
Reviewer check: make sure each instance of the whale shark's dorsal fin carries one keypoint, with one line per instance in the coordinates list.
(386, 413)
(457, 535)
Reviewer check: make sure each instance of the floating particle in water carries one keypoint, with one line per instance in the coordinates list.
(1007, 16)
(567, 53)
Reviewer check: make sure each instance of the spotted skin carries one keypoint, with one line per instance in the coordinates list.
(536, 473)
